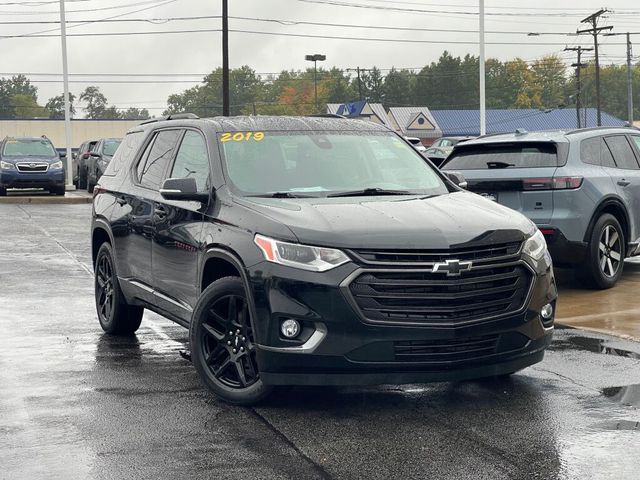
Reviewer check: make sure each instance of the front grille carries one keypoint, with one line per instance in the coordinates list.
(32, 167)
(445, 351)
(423, 297)
(484, 252)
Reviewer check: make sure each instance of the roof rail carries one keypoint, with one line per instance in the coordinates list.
(591, 129)
(327, 115)
(174, 116)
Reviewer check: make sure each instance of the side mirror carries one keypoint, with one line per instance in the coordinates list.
(182, 189)
(457, 178)
(62, 154)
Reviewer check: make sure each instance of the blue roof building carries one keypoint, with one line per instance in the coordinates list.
(455, 123)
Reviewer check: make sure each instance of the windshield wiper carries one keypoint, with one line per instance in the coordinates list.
(369, 192)
(499, 165)
(283, 195)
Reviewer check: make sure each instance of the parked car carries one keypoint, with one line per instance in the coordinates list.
(80, 163)
(99, 158)
(417, 143)
(314, 251)
(580, 187)
(31, 162)
(446, 144)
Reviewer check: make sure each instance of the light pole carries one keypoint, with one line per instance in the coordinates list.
(483, 101)
(315, 58)
(629, 74)
(67, 105)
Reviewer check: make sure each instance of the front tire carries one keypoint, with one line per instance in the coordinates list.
(605, 254)
(116, 316)
(82, 179)
(223, 344)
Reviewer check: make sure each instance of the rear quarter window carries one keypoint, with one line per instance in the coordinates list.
(125, 153)
(520, 155)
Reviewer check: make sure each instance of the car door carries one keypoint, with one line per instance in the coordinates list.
(626, 176)
(140, 198)
(178, 231)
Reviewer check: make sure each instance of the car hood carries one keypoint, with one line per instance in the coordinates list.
(395, 222)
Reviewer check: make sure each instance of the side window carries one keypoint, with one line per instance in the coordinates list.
(636, 140)
(590, 151)
(622, 152)
(143, 159)
(125, 152)
(605, 155)
(192, 160)
(158, 159)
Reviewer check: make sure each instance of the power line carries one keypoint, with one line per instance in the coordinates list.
(97, 9)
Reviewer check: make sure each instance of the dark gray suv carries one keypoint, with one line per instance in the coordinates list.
(580, 187)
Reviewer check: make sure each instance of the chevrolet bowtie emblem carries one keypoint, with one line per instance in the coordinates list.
(452, 268)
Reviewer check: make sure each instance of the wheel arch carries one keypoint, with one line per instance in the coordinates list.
(99, 235)
(614, 206)
(218, 263)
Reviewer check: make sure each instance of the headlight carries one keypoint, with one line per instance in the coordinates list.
(315, 259)
(7, 166)
(535, 246)
(56, 165)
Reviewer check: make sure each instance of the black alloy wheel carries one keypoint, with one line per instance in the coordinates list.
(116, 316)
(223, 344)
(228, 344)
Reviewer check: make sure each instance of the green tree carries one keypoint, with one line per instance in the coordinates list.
(135, 114)
(373, 85)
(398, 88)
(26, 106)
(549, 75)
(96, 102)
(55, 106)
(17, 92)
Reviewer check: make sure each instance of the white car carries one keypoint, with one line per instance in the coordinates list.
(417, 144)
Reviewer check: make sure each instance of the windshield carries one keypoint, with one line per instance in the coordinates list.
(110, 147)
(521, 155)
(31, 147)
(318, 164)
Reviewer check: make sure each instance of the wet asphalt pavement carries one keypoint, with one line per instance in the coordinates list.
(78, 404)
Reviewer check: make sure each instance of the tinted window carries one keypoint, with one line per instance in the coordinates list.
(318, 163)
(590, 151)
(636, 140)
(523, 155)
(159, 157)
(192, 160)
(124, 155)
(35, 147)
(109, 147)
(622, 152)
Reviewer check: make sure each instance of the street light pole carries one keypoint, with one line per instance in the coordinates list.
(483, 101)
(315, 58)
(225, 59)
(67, 103)
(629, 81)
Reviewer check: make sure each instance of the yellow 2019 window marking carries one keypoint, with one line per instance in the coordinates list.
(242, 136)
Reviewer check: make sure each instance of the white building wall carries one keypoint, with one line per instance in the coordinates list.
(81, 130)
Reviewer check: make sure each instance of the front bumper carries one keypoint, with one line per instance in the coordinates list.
(16, 179)
(339, 347)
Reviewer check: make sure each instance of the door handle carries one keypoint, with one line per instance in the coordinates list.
(623, 183)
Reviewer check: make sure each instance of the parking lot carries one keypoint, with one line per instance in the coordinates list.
(76, 403)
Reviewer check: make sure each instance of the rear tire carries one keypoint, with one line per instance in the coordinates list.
(3, 192)
(82, 178)
(58, 191)
(605, 254)
(116, 316)
(90, 184)
(223, 344)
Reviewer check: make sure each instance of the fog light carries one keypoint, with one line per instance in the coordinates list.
(547, 311)
(290, 328)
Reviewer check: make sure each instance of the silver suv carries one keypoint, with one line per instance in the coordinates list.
(581, 187)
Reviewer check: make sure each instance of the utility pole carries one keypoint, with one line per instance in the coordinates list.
(225, 59)
(67, 103)
(578, 66)
(629, 73)
(483, 102)
(595, 30)
(629, 81)
(359, 70)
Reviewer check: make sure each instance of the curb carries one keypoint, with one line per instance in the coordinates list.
(48, 200)
(612, 333)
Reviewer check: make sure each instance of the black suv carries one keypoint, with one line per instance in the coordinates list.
(314, 251)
